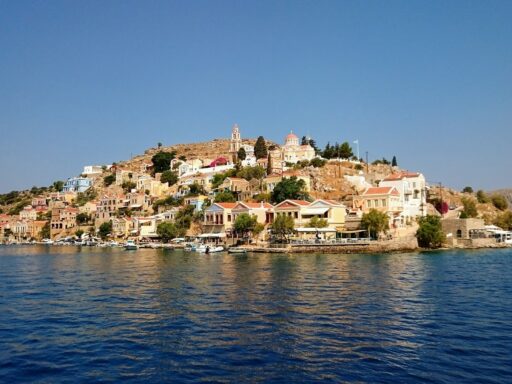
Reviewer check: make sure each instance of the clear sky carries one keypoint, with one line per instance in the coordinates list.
(91, 82)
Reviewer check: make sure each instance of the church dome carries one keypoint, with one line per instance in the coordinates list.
(291, 140)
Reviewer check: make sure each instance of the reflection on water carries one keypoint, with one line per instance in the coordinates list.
(71, 314)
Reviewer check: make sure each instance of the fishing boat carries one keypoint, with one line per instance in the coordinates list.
(130, 245)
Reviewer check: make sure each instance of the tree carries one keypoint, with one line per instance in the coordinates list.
(375, 222)
(467, 190)
(249, 173)
(430, 232)
(159, 145)
(183, 158)
(58, 185)
(45, 231)
(269, 165)
(317, 222)
(244, 224)
(500, 202)
(195, 189)
(289, 188)
(162, 161)
(504, 220)
(225, 197)
(108, 180)
(469, 210)
(482, 197)
(79, 233)
(260, 148)
(241, 155)
(105, 230)
(345, 151)
(128, 186)
(167, 231)
(282, 226)
(327, 153)
(169, 177)
(317, 162)
(394, 162)
(82, 218)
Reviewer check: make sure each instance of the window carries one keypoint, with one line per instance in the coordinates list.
(376, 203)
(296, 215)
(383, 202)
(369, 203)
(229, 217)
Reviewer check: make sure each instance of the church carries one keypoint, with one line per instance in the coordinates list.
(290, 152)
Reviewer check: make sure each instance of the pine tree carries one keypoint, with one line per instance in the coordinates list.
(241, 155)
(393, 162)
(346, 151)
(260, 148)
(304, 141)
(269, 164)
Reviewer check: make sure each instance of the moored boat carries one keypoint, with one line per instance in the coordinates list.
(130, 245)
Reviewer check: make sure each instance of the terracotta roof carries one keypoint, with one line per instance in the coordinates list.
(381, 191)
(256, 205)
(226, 205)
(401, 175)
(301, 202)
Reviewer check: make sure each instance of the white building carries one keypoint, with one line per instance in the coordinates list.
(411, 186)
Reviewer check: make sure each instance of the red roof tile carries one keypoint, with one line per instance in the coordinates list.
(381, 191)
(401, 175)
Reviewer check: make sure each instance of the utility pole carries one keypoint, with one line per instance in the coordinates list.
(441, 196)
(366, 161)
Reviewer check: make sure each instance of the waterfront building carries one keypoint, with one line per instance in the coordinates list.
(383, 199)
(63, 221)
(108, 206)
(413, 197)
(218, 219)
(122, 227)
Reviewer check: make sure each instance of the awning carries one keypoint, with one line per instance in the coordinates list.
(315, 230)
(313, 211)
(215, 235)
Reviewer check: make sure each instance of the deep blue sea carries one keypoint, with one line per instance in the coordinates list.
(71, 315)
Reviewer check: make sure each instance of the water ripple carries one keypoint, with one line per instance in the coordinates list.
(102, 315)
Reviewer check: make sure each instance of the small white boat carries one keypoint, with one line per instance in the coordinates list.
(207, 249)
(47, 241)
(130, 245)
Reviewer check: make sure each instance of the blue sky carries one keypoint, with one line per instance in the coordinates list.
(91, 82)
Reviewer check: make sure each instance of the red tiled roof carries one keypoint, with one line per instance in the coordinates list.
(381, 191)
(301, 202)
(401, 175)
(226, 205)
(256, 205)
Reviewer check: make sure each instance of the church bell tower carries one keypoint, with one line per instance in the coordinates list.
(236, 142)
